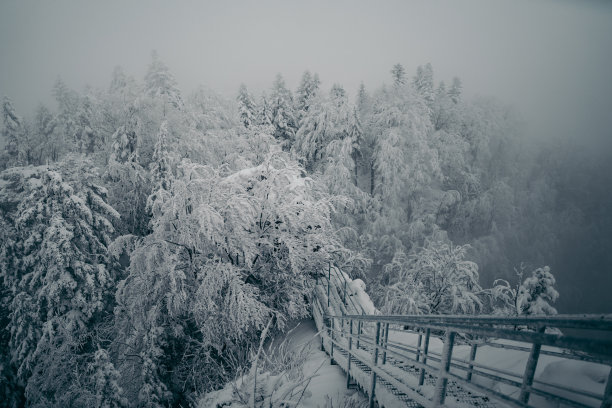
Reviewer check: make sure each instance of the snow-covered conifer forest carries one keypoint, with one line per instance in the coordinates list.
(151, 236)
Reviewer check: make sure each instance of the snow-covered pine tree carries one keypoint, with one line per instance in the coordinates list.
(119, 81)
(314, 133)
(307, 90)
(399, 75)
(59, 273)
(161, 172)
(125, 142)
(45, 126)
(531, 296)
(264, 114)
(424, 84)
(85, 137)
(363, 99)
(340, 167)
(337, 95)
(326, 120)
(282, 113)
(12, 133)
(443, 110)
(108, 393)
(355, 134)
(403, 160)
(537, 292)
(160, 83)
(455, 90)
(129, 182)
(68, 108)
(246, 107)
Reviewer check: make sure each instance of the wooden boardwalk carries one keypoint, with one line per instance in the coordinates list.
(400, 361)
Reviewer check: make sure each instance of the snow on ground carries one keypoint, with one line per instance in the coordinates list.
(321, 385)
(565, 373)
(329, 382)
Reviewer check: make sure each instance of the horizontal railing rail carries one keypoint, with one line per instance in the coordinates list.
(444, 366)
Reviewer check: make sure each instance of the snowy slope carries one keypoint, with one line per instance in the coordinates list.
(319, 384)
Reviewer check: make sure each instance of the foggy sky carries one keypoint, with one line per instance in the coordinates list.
(550, 59)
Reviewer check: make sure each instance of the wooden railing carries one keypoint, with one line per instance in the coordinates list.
(399, 361)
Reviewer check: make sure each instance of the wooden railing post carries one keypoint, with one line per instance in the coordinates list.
(472, 358)
(425, 350)
(328, 280)
(606, 402)
(358, 332)
(418, 350)
(384, 360)
(447, 352)
(331, 340)
(344, 297)
(375, 360)
(530, 368)
(350, 347)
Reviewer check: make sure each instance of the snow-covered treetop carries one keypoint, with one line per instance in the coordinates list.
(160, 83)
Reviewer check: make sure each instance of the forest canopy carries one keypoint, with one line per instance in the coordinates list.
(147, 237)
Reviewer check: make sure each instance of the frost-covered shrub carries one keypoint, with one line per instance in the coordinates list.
(437, 279)
(537, 292)
(532, 296)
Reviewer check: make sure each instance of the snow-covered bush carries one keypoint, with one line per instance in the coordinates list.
(275, 376)
(537, 292)
(532, 296)
(437, 279)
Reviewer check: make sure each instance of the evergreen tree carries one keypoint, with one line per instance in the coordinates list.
(13, 133)
(264, 115)
(314, 133)
(308, 88)
(441, 89)
(84, 136)
(119, 80)
(337, 95)
(160, 83)
(246, 107)
(106, 392)
(399, 75)
(443, 111)
(68, 108)
(125, 142)
(404, 161)
(45, 125)
(355, 134)
(127, 178)
(455, 90)
(283, 115)
(363, 99)
(537, 292)
(161, 171)
(423, 83)
(60, 275)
